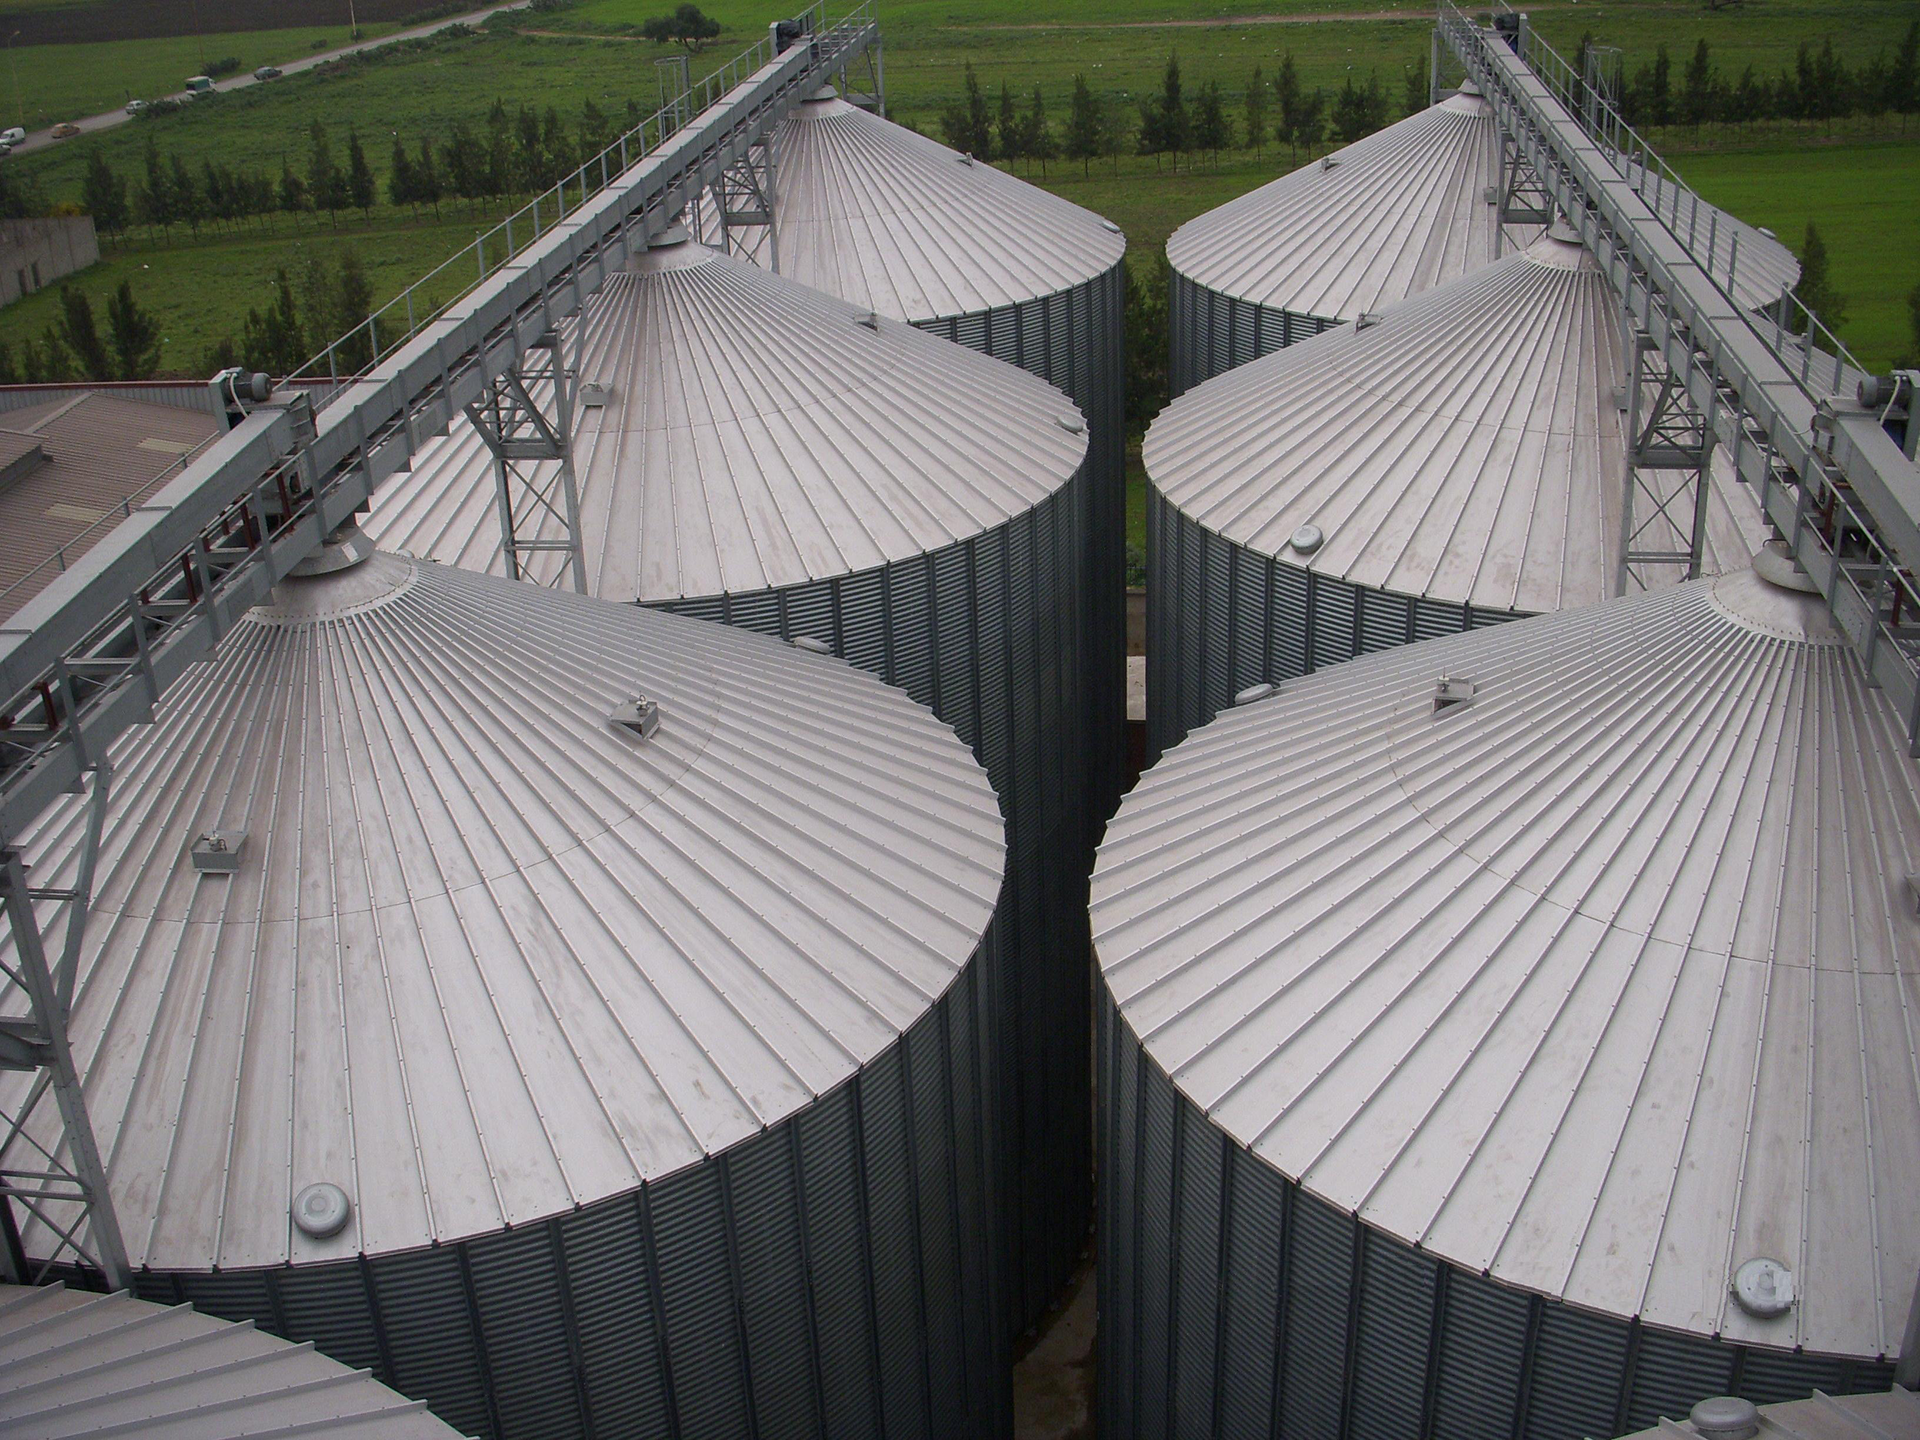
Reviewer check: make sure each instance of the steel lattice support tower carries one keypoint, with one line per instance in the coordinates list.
(533, 461)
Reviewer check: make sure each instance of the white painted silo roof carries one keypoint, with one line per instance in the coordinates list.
(77, 1364)
(487, 956)
(1403, 210)
(1604, 983)
(757, 434)
(1465, 448)
(894, 222)
(1368, 225)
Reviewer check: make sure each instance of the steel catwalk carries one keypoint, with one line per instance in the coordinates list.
(79, 1364)
(650, 1068)
(1460, 462)
(1366, 226)
(1480, 1012)
(775, 458)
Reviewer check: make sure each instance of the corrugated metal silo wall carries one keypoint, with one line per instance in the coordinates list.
(1210, 333)
(1076, 339)
(1221, 617)
(1233, 1303)
(831, 1276)
(986, 634)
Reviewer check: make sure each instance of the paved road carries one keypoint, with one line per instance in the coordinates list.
(40, 139)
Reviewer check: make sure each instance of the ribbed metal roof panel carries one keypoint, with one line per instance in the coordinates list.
(1465, 448)
(487, 956)
(756, 435)
(1405, 209)
(78, 1364)
(1603, 983)
(1368, 225)
(900, 224)
(1877, 1415)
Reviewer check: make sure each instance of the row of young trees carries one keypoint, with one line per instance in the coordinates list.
(1820, 87)
(73, 347)
(508, 155)
(1171, 124)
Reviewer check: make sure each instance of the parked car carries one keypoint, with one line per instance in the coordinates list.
(267, 72)
(66, 130)
(136, 107)
(199, 84)
(13, 136)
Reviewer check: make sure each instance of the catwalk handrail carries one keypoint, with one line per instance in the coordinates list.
(1824, 467)
(94, 651)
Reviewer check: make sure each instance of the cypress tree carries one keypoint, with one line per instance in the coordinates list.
(1085, 125)
(105, 195)
(360, 189)
(1256, 111)
(1815, 290)
(80, 337)
(401, 186)
(133, 334)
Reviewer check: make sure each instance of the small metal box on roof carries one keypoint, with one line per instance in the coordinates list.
(1556, 1047)
(1459, 462)
(570, 1076)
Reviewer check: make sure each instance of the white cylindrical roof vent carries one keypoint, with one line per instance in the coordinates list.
(1530, 1017)
(543, 1025)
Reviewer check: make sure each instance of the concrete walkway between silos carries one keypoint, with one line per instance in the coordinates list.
(1053, 1383)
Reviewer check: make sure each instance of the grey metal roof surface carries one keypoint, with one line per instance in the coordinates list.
(1403, 210)
(1370, 224)
(757, 435)
(74, 1364)
(894, 222)
(1878, 1415)
(101, 450)
(487, 956)
(1603, 983)
(1465, 447)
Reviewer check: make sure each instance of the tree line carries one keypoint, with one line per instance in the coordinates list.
(74, 347)
(1819, 87)
(1172, 124)
(508, 155)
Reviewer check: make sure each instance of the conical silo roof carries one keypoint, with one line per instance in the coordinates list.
(488, 954)
(900, 224)
(1595, 972)
(79, 1364)
(756, 434)
(1383, 218)
(1465, 447)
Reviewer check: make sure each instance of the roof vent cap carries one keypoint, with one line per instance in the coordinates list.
(1453, 693)
(1110, 227)
(1368, 319)
(1072, 424)
(1327, 162)
(640, 715)
(812, 645)
(218, 851)
(594, 395)
(321, 1210)
(1764, 1288)
(1253, 693)
(1726, 1418)
(965, 159)
(1307, 539)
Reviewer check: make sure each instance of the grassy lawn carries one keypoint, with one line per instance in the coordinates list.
(1853, 183)
(64, 82)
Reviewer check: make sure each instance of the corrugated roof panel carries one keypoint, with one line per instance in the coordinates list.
(79, 1364)
(488, 956)
(1465, 448)
(897, 223)
(756, 434)
(1605, 981)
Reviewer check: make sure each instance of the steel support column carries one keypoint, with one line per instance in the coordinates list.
(743, 198)
(1663, 516)
(533, 476)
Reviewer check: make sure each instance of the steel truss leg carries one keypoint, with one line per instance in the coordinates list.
(743, 201)
(61, 1188)
(1663, 522)
(539, 500)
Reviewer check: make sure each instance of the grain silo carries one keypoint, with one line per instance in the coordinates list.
(1366, 226)
(901, 225)
(1512, 1034)
(1459, 461)
(775, 458)
(570, 1013)
(79, 1364)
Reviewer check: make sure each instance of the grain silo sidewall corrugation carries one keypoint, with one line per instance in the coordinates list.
(1222, 617)
(1076, 339)
(984, 633)
(781, 1287)
(1211, 333)
(1234, 1302)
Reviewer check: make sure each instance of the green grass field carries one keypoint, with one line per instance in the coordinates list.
(1852, 184)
